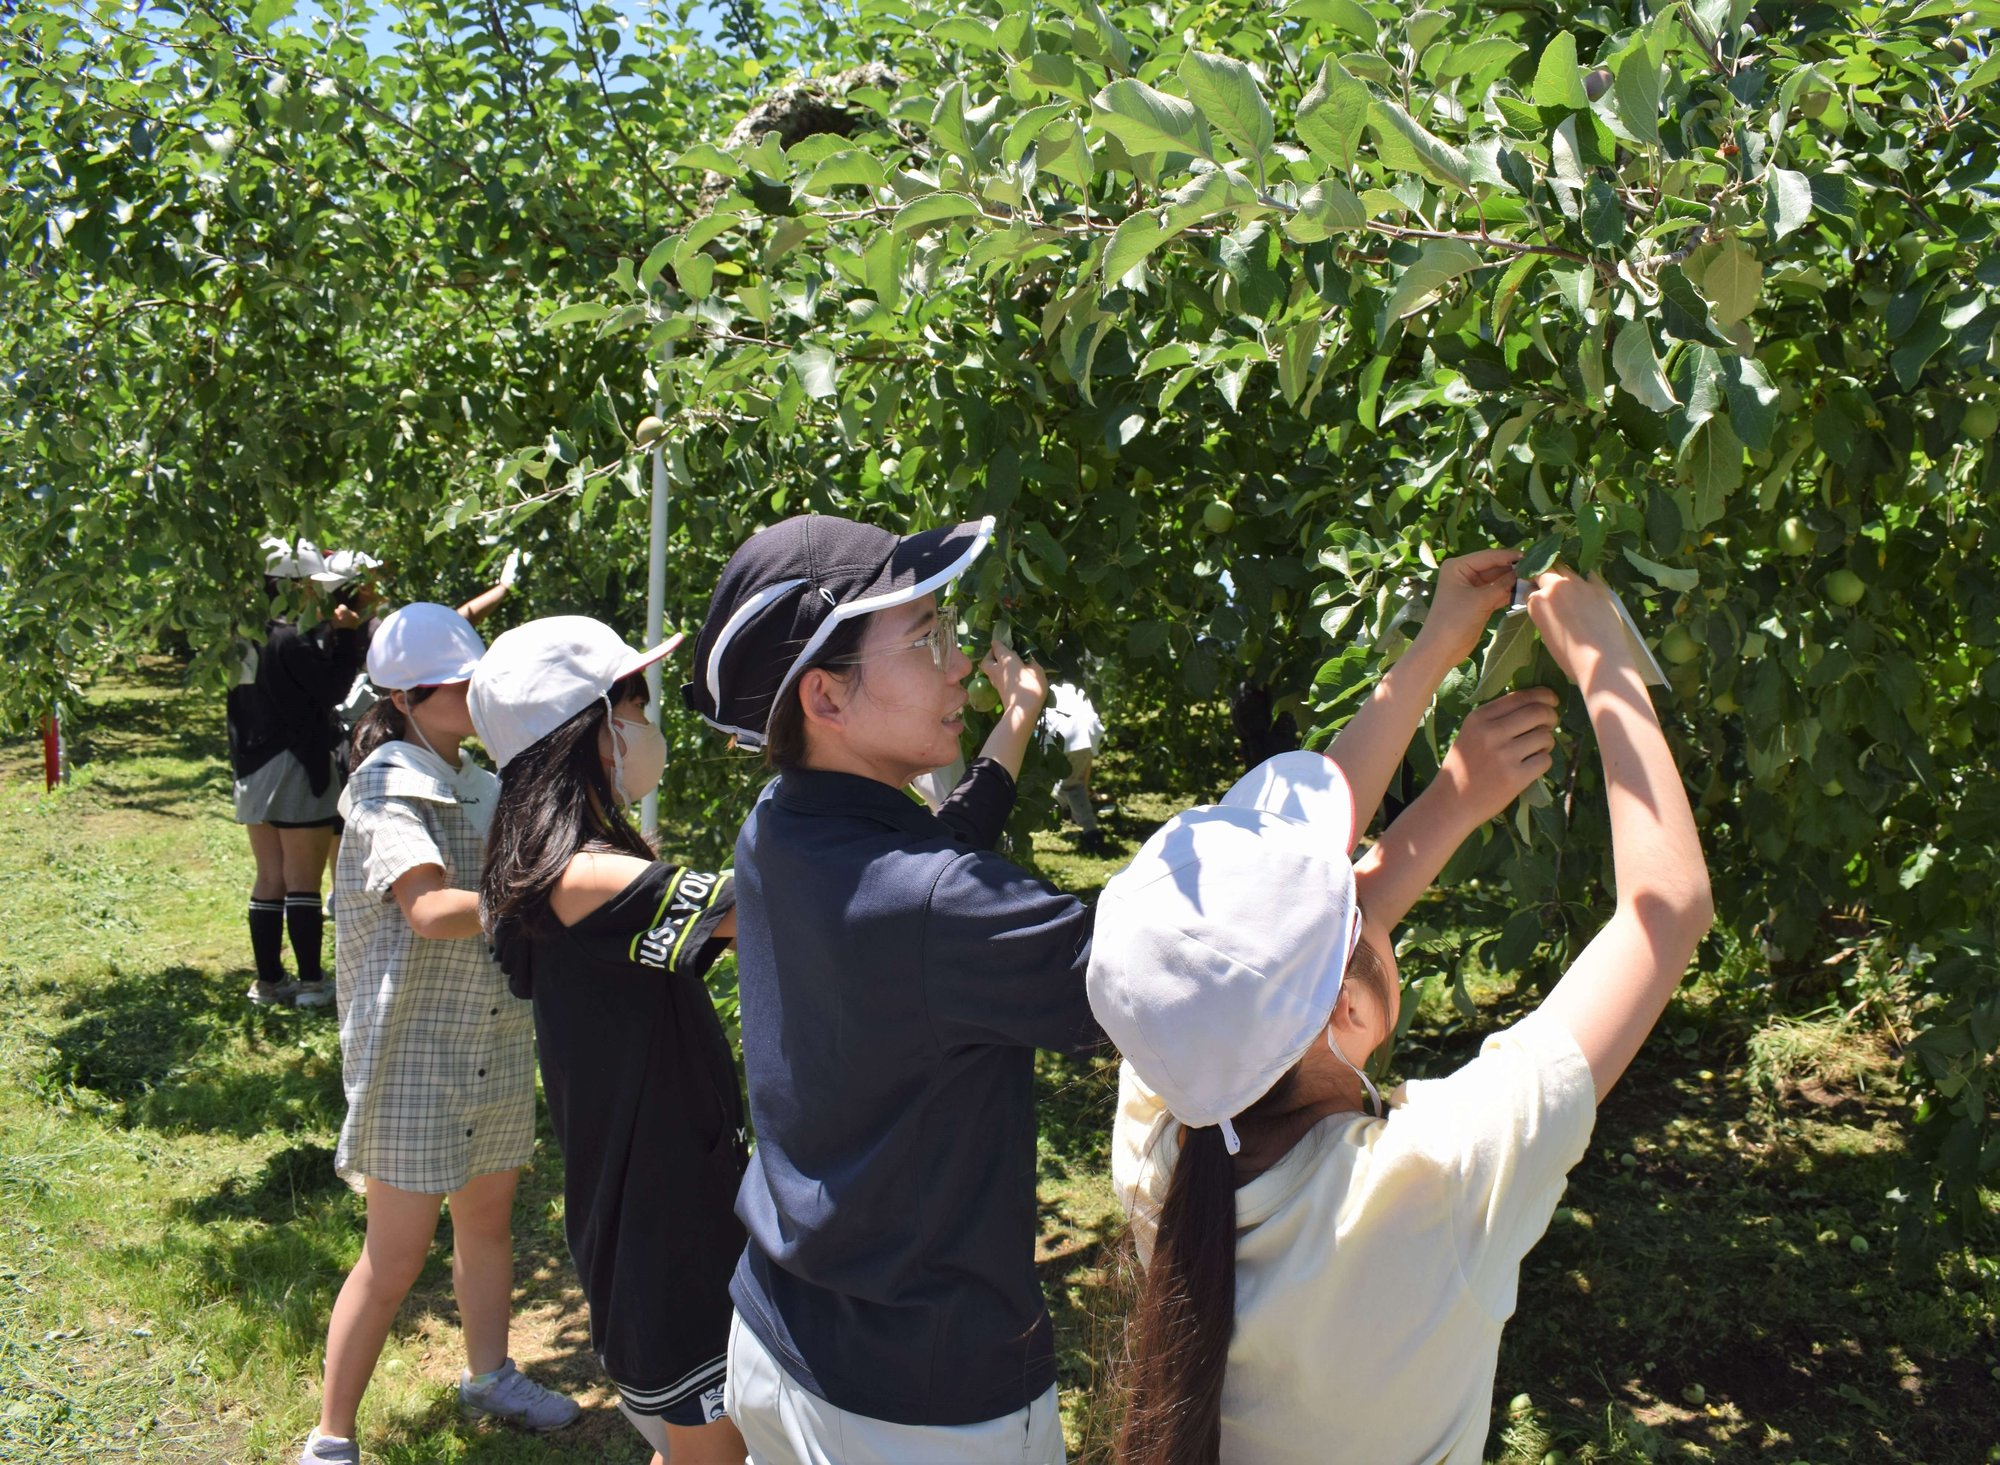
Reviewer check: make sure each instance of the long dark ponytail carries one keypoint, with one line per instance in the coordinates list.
(385, 722)
(556, 799)
(1186, 1310)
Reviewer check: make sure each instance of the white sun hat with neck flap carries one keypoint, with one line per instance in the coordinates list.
(1220, 949)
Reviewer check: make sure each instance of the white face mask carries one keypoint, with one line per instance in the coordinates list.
(1374, 1094)
(638, 758)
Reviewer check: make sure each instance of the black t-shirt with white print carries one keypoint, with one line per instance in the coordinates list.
(646, 1105)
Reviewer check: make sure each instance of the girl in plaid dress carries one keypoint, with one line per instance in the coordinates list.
(437, 1059)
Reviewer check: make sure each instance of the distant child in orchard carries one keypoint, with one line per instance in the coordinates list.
(284, 738)
(1322, 1282)
(611, 945)
(437, 1058)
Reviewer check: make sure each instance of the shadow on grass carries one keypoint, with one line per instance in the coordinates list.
(1722, 1270)
(290, 1180)
(179, 1050)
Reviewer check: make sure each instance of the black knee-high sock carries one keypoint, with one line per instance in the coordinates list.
(267, 939)
(305, 924)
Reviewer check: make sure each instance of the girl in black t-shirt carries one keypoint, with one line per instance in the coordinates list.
(611, 944)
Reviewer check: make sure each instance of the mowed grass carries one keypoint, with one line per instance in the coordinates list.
(172, 1235)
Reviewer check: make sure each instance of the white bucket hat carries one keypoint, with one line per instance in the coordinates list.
(1219, 950)
(536, 677)
(423, 645)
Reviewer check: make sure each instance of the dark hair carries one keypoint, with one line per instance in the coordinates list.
(1186, 1311)
(556, 799)
(385, 722)
(785, 728)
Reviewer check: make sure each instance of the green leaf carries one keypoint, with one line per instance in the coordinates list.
(1635, 90)
(1667, 579)
(1733, 283)
(817, 370)
(1788, 201)
(1333, 115)
(934, 209)
(1229, 99)
(1343, 15)
(1138, 236)
(656, 260)
(1638, 368)
(1480, 57)
(694, 270)
(1603, 215)
(1715, 466)
(1407, 147)
(569, 315)
(1512, 647)
(1540, 555)
(1439, 263)
(710, 159)
(1204, 196)
(850, 167)
(1326, 209)
(1683, 312)
(1753, 401)
(1148, 121)
(1558, 78)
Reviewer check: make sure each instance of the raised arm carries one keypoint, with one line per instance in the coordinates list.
(1617, 989)
(1371, 747)
(1023, 687)
(1503, 747)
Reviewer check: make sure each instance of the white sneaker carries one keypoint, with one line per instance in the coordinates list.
(515, 1397)
(311, 994)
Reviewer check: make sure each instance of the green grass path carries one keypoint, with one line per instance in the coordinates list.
(1719, 1285)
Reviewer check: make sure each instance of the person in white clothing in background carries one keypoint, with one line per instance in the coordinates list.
(1072, 721)
(1325, 1283)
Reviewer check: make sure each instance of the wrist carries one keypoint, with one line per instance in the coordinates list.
(1428, 661)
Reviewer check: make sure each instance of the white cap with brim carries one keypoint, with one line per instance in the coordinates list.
(1219, 950)
(423, 645)
(536, 677)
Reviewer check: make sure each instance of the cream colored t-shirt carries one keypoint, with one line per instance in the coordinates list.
(1377, 1261)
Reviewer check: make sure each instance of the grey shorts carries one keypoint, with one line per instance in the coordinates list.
(279, 793)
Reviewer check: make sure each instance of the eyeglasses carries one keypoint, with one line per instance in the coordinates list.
(942, 635)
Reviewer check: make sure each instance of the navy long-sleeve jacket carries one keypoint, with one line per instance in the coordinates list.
(896, 976)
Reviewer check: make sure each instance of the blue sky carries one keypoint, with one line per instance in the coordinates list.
(377, 33)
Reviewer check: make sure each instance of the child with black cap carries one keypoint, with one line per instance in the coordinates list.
(896, 977)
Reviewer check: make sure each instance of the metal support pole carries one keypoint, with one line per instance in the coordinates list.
(656, 613)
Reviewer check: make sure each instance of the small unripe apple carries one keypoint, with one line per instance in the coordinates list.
(1795, 536)
(1844, 587)
(1980, 419)
(1596, 82)
(980, 695)
(1219, 517)
(1678, 647)
(649, 431)
(1088, 475)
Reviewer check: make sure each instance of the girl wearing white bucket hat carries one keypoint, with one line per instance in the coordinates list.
(611, 944)
(437, 1057)
(1322, 1284)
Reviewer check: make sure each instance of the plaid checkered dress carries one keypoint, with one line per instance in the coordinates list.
(436, 1055)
